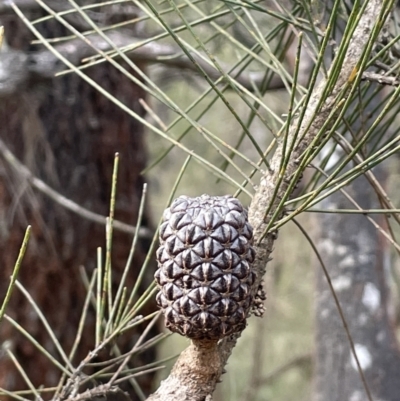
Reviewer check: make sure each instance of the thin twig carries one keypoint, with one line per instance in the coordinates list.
(101, 392)
(14, 274)
(41, 186)
(380, 79)
(300, 360)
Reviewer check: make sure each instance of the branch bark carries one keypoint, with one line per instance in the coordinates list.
(102, 393)
(380, 79)
(200, 366)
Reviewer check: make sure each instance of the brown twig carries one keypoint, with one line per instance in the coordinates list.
(102, 392)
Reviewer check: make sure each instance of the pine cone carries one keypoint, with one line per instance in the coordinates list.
(204, 266)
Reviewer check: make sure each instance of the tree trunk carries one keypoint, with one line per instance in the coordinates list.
(356, 256)
(67, 134)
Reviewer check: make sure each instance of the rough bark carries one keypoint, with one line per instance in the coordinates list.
(67, 134)
(180, 384)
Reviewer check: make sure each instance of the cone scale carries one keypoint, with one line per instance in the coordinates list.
(205, 272)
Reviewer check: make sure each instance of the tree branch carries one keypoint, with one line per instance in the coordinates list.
(25, 5)
(380, 79)
(102, 392)
(17, 67)
(298, 361)
(200, 366)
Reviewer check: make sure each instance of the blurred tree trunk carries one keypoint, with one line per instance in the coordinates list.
(67, 134)
(356, 257)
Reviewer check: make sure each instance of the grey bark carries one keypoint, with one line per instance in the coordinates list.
(356, 258)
